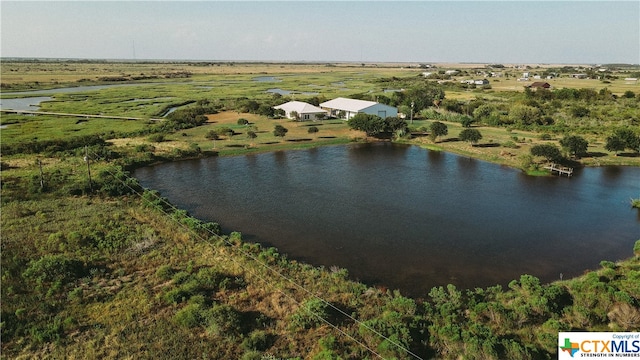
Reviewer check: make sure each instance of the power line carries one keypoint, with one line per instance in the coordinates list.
(279, 274)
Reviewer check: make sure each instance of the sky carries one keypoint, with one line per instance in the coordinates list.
(572, 32)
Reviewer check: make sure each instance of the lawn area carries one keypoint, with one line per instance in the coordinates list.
(298, 136)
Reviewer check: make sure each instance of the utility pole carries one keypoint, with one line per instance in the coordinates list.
(412, 103)
(41, 176)
(86, 159)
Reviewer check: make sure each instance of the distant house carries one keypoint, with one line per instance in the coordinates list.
(451, 72)
(579, 76)
(480, 82)
(348, 108)
(540, 85)
(303, 110)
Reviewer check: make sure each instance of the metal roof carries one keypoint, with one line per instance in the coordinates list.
(352, 105)
(299, 107)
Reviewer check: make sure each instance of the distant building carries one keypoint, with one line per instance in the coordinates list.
(579, 76)
(480, 82)
(451, 72)
(348, 108)
(303, 110)
(540, 85)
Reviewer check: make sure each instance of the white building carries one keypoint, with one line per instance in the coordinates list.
(303, 110)
(347, 108)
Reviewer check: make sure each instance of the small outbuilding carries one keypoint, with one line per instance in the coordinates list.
(302, 111)
(540, 85)
(347, 108)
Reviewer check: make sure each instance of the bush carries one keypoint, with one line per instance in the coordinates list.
(310, 314)
(190, 316)
(243, 121)
(280, 131)
(54, 268)
(159, 137)
(223, 319)
(165, 272)
(51, 331)
(510, 144)
(212, 135)
(470, 135)
(257, 340)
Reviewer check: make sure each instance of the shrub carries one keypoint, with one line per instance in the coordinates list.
(280, 131)
(190, 316)
(223, 319)
(165, 272)
(212, 135)
(310, 314)
(52, 268)
(243, 121)
(257, 340)
(159, 137)
(510, 144)
(50, 331)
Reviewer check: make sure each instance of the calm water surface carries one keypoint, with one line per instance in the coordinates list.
(409, 218)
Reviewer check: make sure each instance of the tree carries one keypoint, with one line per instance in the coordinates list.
(266, 110)
(470, 135)
(278, 113)
(437, 129)
(422, 96)
(574, 145)
(615, 144)
(630, 139)
(466, 121)
(580, 111)
(548, 151)
(294, 115)
(212, 135)
(370, 124)
(394, 124)
(280, 131)
(251, 134)
(525, 115)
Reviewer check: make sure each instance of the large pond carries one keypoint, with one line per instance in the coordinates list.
(408, 218)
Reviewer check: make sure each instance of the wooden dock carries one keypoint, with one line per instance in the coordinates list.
(561, 170)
